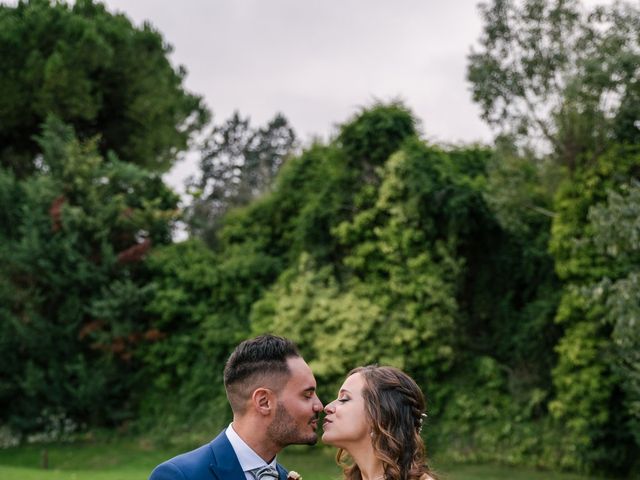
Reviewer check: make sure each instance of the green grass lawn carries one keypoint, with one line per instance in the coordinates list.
(134, 460)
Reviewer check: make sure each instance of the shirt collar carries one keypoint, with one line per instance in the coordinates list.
(248, 458)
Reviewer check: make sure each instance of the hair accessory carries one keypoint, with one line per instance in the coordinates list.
(420, 421)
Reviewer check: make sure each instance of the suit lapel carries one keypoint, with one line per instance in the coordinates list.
(282, 472)
(225, 465)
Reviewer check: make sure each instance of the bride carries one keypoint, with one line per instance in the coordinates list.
(376, 420)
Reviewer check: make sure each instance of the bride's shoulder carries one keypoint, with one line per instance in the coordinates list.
(426, 476)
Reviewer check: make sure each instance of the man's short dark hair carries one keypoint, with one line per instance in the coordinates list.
(259, 361)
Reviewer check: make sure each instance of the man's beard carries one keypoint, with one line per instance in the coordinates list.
(284, 431)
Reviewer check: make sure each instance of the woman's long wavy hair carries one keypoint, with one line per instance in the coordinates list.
(395, 406)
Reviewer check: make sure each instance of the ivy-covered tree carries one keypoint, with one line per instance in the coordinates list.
(519, 195)
(561, 83)
(97, 72)
(616, 229)
(588, 402)
(401, 260)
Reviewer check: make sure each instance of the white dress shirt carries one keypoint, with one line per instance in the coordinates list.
(249, 459)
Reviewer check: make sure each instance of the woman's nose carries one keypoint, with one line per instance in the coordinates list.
(329, 408)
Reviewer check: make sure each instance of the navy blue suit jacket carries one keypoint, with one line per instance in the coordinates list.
(214, 461)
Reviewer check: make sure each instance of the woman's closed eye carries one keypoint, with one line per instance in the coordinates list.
(343, 399)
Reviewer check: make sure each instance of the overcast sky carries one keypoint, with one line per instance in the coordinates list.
(318, 61)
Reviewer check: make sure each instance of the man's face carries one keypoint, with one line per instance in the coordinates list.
(296, 417)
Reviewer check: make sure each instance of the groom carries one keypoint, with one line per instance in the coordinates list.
(272, 393)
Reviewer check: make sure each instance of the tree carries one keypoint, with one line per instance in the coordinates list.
(616, 235)
(192, 305)
(554, 76)
(74, 285)
(401, 260)
(562, 83)
(373, 134)
(588, 404)
(238, 164)
(96, 72)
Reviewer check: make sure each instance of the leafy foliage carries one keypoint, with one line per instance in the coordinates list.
(549, 73)
(239, 163)
(96, 72)
(413, 271)
(73, 284)
(560, 84)
(186, 309)
(586, 377)
(616, 229)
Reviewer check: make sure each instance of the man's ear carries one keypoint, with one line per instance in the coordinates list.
(263, 400)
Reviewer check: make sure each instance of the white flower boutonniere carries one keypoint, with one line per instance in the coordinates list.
(293, 475)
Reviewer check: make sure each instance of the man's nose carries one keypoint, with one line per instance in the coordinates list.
(318, 405)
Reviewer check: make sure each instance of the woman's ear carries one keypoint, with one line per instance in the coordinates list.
(263, 400)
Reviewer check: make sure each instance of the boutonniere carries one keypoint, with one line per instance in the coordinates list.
(293, 475)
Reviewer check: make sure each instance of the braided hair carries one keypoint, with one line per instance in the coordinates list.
(395, 406)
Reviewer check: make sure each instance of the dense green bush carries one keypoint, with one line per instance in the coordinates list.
(74, 284)
(589, 402)
(413, 269)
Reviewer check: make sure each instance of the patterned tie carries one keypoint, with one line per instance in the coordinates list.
(265, 473)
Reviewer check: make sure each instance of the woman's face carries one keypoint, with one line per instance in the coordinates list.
(346, 421)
